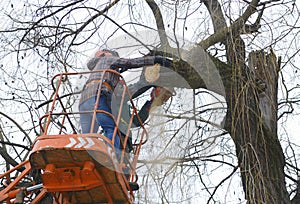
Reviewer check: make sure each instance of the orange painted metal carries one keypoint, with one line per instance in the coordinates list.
(10, 191)
(80, 170)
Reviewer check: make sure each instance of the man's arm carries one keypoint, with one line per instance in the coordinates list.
(143, 114)
(159, 96)
(126, 64)
(92, 63)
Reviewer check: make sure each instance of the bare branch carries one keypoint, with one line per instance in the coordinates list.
(18, 126)
(159, 23)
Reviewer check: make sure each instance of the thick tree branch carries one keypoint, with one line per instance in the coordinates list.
(216, 14)
(159, 23)
(234, 28)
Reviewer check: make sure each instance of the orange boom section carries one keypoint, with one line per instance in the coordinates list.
(67, 167)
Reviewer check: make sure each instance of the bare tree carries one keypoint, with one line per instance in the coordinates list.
(244, 40)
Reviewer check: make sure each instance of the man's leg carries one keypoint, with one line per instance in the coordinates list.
(86, 119)
(106, 122)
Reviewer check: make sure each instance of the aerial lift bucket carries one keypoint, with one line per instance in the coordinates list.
(67, 168)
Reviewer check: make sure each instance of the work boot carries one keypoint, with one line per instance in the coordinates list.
(134, 186)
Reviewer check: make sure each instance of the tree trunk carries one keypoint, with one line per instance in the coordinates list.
(253, 117)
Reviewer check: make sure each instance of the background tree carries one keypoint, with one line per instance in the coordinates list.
(254, 47)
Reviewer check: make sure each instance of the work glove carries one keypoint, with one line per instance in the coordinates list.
(163, 61)
(160, 95)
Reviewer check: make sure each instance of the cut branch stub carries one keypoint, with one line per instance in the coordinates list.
(265, 69)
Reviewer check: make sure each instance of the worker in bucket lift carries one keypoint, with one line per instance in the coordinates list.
(158, 96)
(105, 60)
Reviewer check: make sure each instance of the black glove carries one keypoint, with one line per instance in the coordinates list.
(163, 61)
